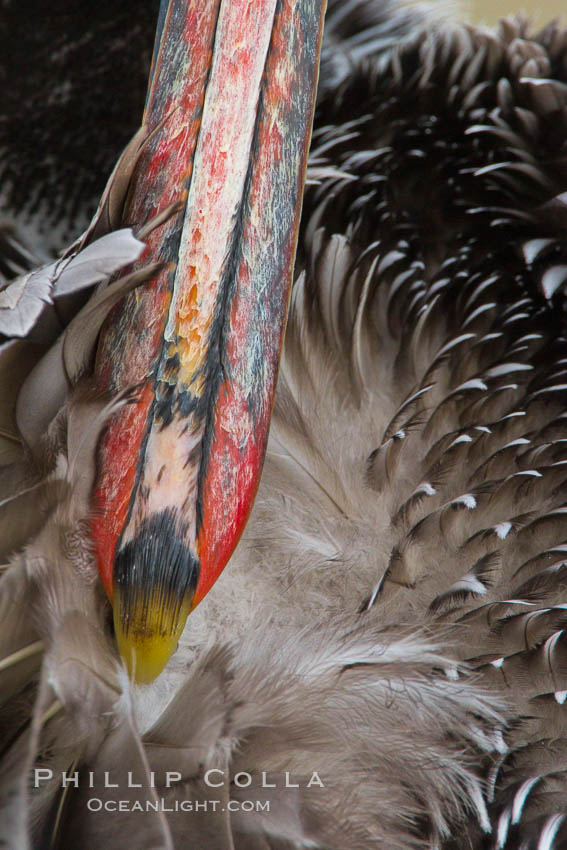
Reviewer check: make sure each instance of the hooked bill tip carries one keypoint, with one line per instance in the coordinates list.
(150, 638)
(155, 577)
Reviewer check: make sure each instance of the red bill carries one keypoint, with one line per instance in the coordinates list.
(233, 85)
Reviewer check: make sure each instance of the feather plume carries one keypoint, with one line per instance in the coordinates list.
(394, 618)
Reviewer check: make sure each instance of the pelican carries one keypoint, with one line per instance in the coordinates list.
(383, 662)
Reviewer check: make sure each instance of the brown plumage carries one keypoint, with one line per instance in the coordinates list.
(394, 616)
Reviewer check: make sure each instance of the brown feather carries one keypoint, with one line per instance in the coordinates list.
(394, 616)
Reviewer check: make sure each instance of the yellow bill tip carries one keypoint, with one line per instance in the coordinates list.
(149, 638)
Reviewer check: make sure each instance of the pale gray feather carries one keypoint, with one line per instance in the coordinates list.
(394, 618)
